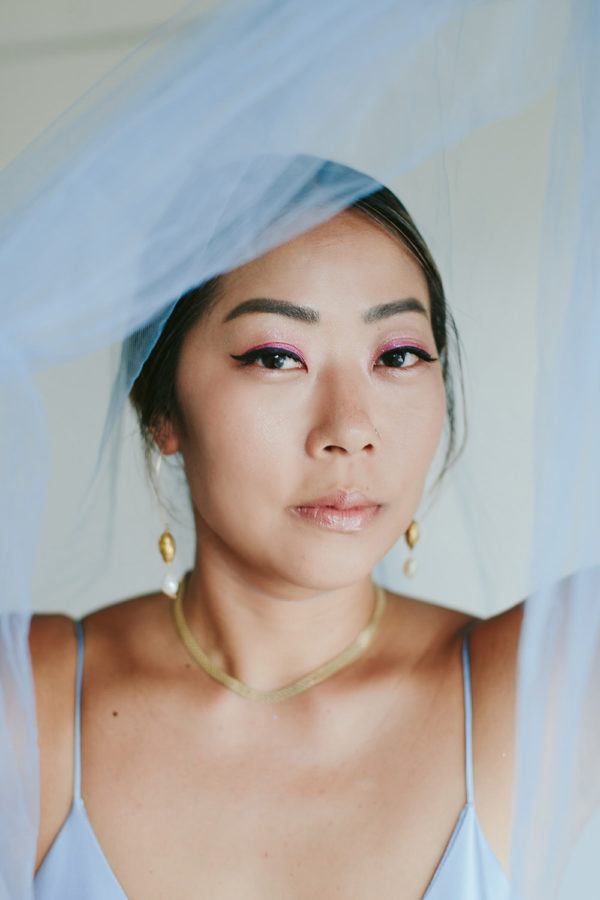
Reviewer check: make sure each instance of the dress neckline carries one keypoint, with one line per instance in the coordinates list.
(78, 809)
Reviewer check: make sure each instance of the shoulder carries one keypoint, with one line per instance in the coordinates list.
(53, 651)
(119, 635)
(53, 643)
(494, 647)
(494, 644)
(426, 624)
(52, 647)
(110, 648)
(495, 641)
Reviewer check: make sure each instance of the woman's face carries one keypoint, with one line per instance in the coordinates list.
(340, 412)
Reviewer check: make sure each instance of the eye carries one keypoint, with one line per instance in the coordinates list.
(403, 352)
(273, 355)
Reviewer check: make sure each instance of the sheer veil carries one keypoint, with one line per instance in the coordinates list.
(234, 127)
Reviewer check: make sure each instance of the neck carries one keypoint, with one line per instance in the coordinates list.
(266, 633)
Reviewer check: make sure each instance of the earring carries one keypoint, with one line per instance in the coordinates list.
(412, 536)
(166, 545)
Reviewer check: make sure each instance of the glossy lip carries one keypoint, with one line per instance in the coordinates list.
(344, 520)
(341, 499)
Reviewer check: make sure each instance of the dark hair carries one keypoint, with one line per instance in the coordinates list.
(153, 392)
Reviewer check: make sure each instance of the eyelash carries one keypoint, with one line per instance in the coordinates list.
(246, 359)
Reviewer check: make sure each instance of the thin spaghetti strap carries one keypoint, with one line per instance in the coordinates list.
(468, 717)
(77, 730)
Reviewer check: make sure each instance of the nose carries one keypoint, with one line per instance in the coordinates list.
(345, 423)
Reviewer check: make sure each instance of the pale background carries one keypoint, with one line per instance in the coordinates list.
(51, 51)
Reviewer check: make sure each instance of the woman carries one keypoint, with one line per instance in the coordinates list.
(364, 783)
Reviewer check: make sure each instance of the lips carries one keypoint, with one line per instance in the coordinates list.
(355, 518)
(342, 510)
(340, 500)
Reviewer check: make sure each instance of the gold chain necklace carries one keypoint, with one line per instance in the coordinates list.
(358, 646)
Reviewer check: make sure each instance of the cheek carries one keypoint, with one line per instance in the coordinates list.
(240, 451)
(433, 421)
(419, 424)
(438, 413)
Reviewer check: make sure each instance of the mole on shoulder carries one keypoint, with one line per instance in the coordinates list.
(115, 713)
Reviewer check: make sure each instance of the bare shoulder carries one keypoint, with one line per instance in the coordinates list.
(422, 613)
(52, 648)
(117, 636)
(48, 633)
(494, 646)
(495, 641)
(53, 656)
(53, 651)
(124, 611)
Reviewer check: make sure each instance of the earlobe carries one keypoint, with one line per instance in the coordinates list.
(166, 437)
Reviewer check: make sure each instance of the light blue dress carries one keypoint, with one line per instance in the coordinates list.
(75, 867)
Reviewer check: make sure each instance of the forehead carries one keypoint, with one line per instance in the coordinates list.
(347, 255)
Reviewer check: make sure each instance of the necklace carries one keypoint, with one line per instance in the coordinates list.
(344, 658)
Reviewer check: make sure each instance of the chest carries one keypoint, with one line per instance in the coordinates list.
(189, 811)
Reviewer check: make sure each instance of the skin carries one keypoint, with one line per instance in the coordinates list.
(351, 788)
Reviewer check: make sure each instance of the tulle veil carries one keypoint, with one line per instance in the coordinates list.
(196, 154)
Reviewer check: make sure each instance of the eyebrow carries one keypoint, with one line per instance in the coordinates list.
(312, 316)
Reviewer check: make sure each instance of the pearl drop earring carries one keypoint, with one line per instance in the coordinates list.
(167, 547)
(412, 536)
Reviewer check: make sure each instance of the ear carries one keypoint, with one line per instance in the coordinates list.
(166, 437)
